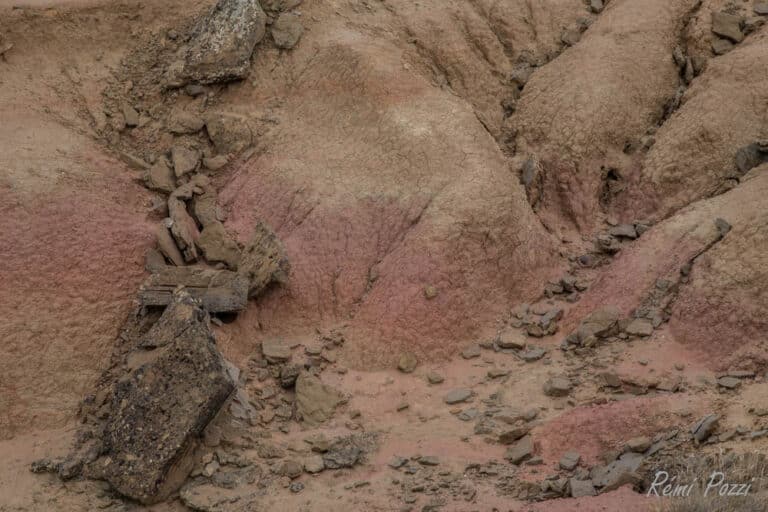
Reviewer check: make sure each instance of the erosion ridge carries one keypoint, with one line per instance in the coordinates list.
(435, 255)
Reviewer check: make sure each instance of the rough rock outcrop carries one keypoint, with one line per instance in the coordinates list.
(222, 42)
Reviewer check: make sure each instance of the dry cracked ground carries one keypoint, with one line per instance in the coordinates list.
(392, 255)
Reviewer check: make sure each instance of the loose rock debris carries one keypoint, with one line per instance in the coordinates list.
(198, 259)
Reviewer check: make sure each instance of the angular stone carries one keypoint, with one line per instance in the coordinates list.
(315, 401)
(167, 246)
(721, 46)
(209, 497)
(495, 373)
(290, 468)
(263, 260)
(229, 133)
(728, 26)
(160, 408)
(197, 184)
(345, 452)
(596, 6)
(407, 362)
(222, 42)
(619, 472)
(639, 444)
(314, 464)
(215, 163)
(570, 36)
(183, 122)
(205, 208)
(510, 435)
(611, 379)
(533, 354)
(520, 451)
(557, 386)
(705, 427)
(220, 291)
(184, 160)
(511, 339)
(435, 378)
(160, 177)
(552, 315)
(750, 156)
(275, 351)
(623, 231)
(288, 375)
(471, 352)
(217, 245)
(729, 382)
(639, 327)
(130, 115)
(457, 396)
(581, 488)
(287, 30)
(429, 460)
(760, 8)
(569, 461)
(601, 323)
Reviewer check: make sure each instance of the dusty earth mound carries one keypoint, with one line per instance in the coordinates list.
(435, 255)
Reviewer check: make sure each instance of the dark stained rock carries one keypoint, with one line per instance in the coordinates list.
(221, 43)
(159, 409)
(750, 156)
(263, 260)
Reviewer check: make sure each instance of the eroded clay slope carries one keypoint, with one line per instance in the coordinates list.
(381, 185)
(722, 111)
(577, 113)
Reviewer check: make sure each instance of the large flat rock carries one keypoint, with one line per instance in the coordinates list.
(160, 408)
